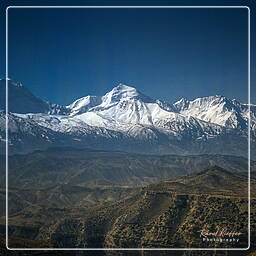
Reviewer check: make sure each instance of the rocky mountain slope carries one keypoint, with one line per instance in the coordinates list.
(21, 100)
(167, 214)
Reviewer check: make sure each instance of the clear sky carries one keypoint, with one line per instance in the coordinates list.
(64, 54)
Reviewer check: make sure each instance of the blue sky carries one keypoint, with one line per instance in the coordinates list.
(64, 54)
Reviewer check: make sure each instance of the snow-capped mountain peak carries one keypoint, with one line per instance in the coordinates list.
(84, 104)
(117, 96)
(124, 118)
(123, 92)
(125, 105)
(181, 104)
(214, 109)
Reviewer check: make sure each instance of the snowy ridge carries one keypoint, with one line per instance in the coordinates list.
(126, 119)
(84, 104)
(216, 109)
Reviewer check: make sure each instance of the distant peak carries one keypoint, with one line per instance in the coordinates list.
(220, 97)
(182, 104)
(181, 101)
(122, 86)
(207, 98)
(123, 91)
(235, 102)
(214, 168)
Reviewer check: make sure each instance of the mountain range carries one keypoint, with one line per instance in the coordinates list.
(127, 120)
(125, 170)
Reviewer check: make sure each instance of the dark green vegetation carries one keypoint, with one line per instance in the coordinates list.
(94, 199)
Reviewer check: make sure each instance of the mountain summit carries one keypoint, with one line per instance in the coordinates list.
(118, 94)
(124, 105)
(216, 109)
(124, 92)
(21, 100)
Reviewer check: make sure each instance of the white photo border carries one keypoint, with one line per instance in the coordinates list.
(130, 249)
